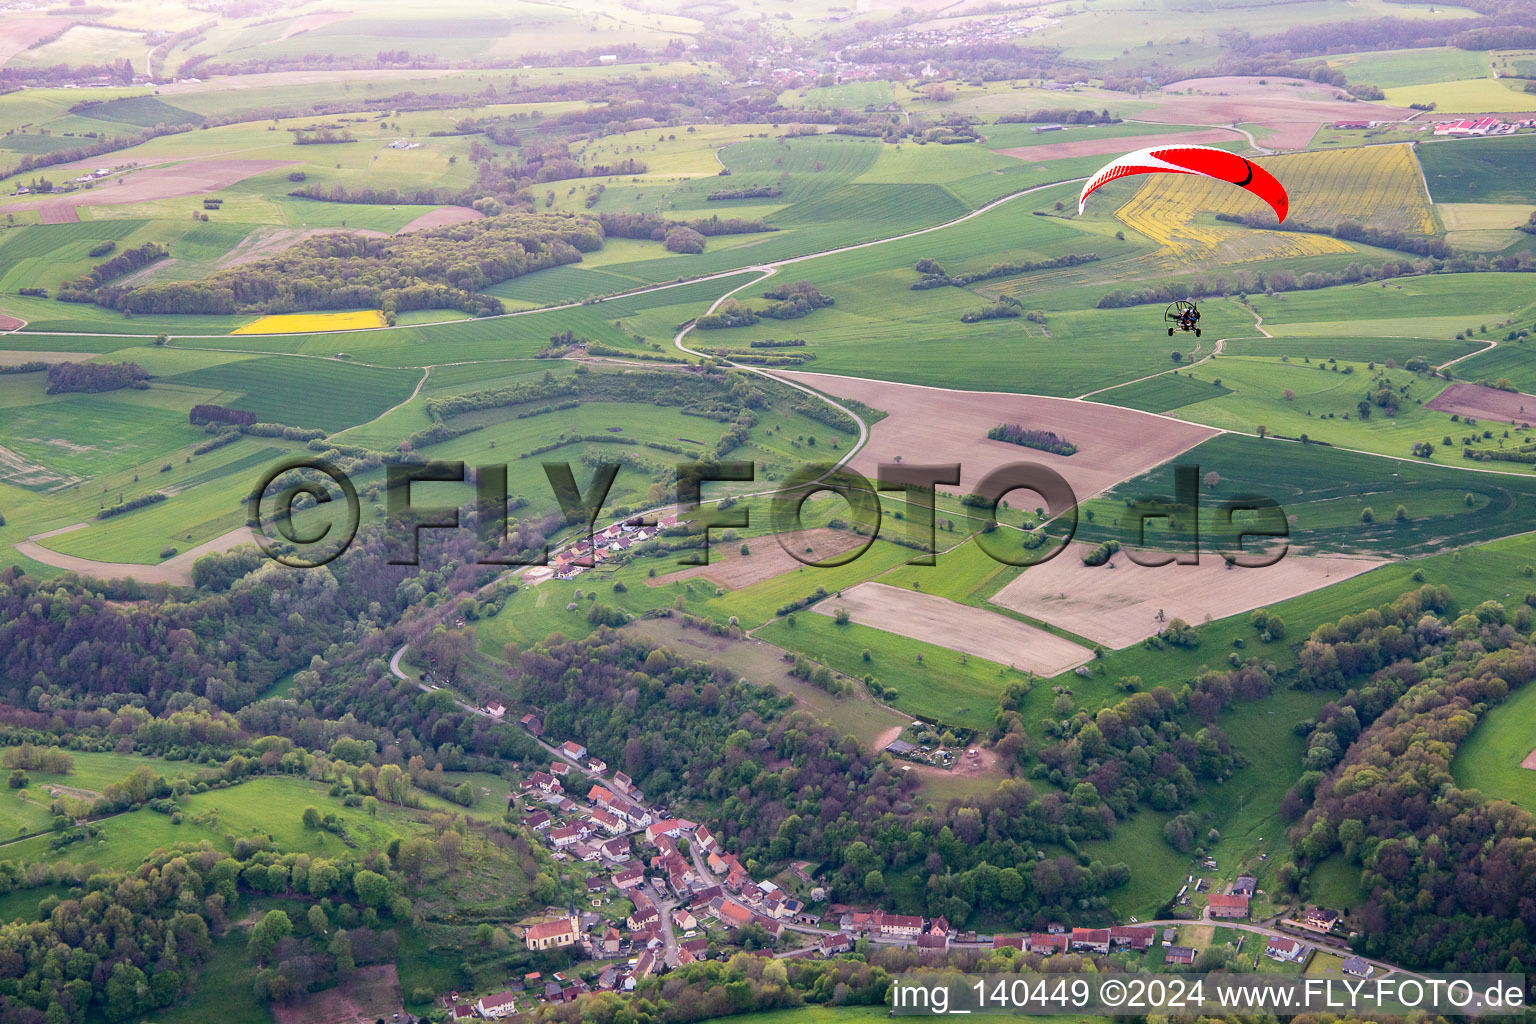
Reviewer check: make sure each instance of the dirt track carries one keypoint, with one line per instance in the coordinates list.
(176, 571)
(1485, 403)
(1124, 144)
(959, 627)
(1118, 606)
(929, 425)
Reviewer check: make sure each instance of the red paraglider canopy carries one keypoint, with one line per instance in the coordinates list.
(1203, 160)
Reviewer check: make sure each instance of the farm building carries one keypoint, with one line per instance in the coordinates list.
(1181, 955)
(1131, 938)
(1228, 906)
(1095, 939)
(1046, 944)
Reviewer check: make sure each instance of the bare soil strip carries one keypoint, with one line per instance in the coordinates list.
(441, 217)
(1484, 403)
(959, 627)
(936, 425)
(1119, 606)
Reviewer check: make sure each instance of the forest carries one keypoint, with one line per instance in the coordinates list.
(126, 944)
(444, 267)
(64, 378)
(1450, 874)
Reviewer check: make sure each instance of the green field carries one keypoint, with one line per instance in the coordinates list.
(1509, 361)
(1163, 393)
(945, 686)
(1480, 170)
(1320, 398)
(322, 393)
(1490, 759)
(1397, 68)
(263, 806)
(1465, 96)
(1327, 489)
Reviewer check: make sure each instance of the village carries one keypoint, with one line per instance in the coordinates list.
(663, 892)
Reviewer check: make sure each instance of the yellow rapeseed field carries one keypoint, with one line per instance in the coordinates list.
(301, 323)
(1379, 186)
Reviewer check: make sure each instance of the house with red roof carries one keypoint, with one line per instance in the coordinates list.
(1047, 944)
(1093, 939)
(1227, 906)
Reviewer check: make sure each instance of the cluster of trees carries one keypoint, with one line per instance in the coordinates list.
(444, 267)
(1058, 115)
(539, 161)
(325, 135)
(750, 192)
(372, 196)
(1044, 440)
(82, 288)
(1137, 752)
(790, 302)
(1005, 308)
(730, 313)
(1449, 873)
(648, 225)
(204, 413)
(64, 378)
(793, 301)
(121, 945)
(33, 758)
